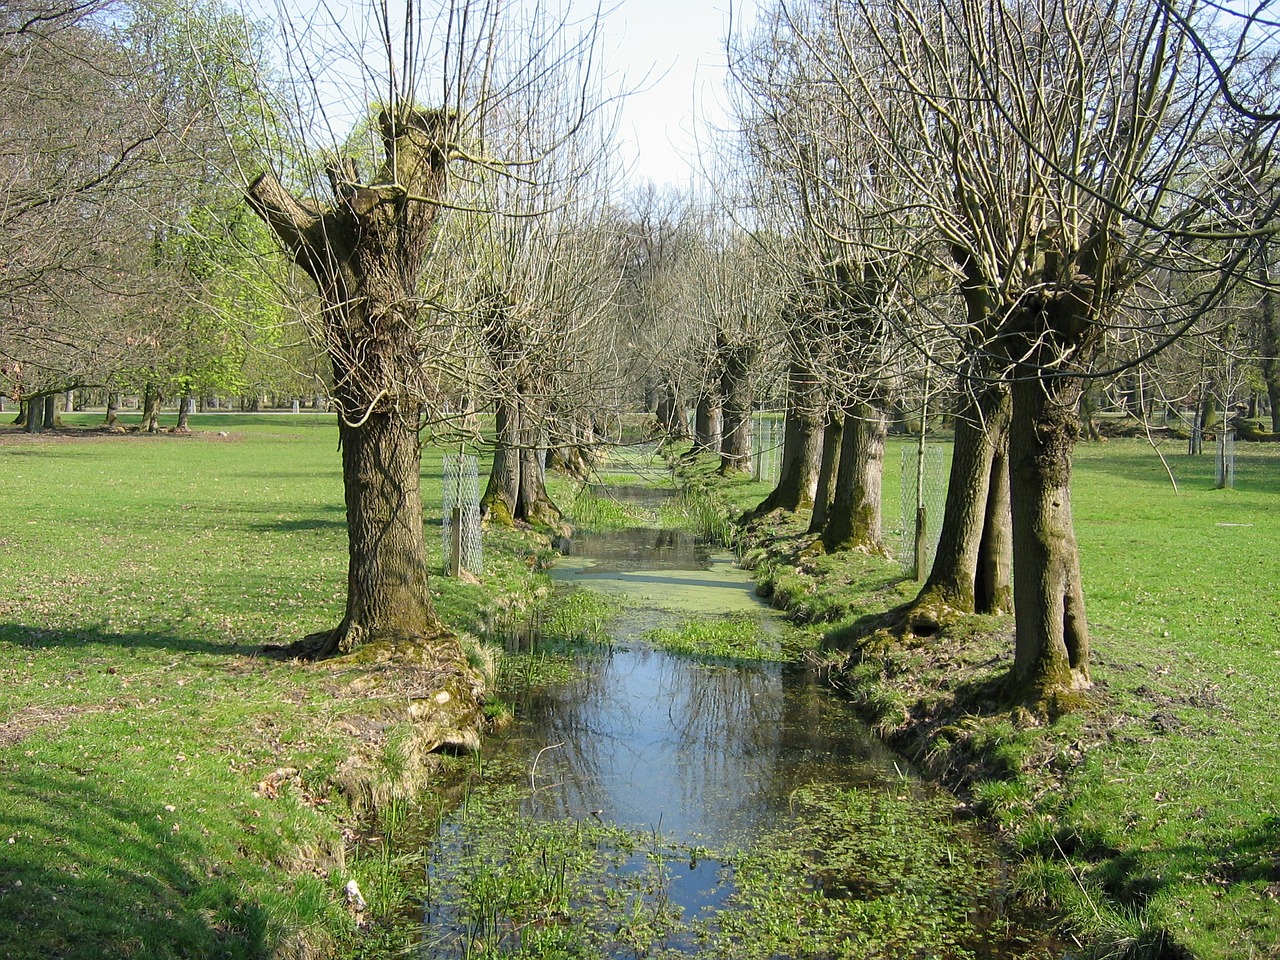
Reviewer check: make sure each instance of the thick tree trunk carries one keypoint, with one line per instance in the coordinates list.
(708, 422)
(150, 409)
(387, 596)
(113, 409)
(1052, 648)
(31, 414)
(737, 361)
(365, 253)
(972, 561)
(502, 492)
(534, 504)
(184, 414)
(49, 414)
(828, 471)
(801, 444)
(855, 518)
(517, 481)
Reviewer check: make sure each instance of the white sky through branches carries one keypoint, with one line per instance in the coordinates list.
(668, 53)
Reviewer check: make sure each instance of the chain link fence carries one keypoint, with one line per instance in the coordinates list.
(927, 490)
(460, 526)
(766, 439)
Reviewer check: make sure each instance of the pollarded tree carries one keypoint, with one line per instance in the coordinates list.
(365, 247)
(523, 268)
(817, 173)
(1068, 153)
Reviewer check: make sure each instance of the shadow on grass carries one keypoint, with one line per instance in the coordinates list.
(84, 874)
(38, 638)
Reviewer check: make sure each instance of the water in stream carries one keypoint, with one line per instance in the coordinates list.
(718, 769)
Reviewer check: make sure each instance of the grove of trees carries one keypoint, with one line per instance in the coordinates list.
(1008, 213)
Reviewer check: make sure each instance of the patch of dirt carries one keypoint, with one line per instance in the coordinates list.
(21, 724)
(408, 703)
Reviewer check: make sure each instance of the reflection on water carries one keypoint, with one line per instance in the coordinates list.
(702, 755)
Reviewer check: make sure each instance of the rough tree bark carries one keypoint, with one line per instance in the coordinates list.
(971, 570)
(1054, 338)
(150, 409)
(364, 251)
(854, 521)
(737, 363)
(828, 471)
(708, 421)
(184, 414)
(801, 444)
(1051, 655)
(517, 481)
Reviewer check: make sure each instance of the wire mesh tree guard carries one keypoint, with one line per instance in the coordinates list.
(1226, 459)
(460, 523)
(922, 493)
(766, 438)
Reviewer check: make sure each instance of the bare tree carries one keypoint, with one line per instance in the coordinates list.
(1066, 154)
(365, 248)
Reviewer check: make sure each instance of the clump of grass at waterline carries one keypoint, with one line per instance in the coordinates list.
(860, 873)
(1149, 822)
(165, 792)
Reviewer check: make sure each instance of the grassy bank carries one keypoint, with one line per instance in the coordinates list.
(1149, 822)
(164, 791)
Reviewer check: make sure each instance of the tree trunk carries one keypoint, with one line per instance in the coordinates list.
(113, 409)
(1052, 648)
(828, 471)
(31, 414)
(502, 492)
(708, 422)
(517, 481)
(387, 596)
(993, 588)
(534, 504)
(855, 518)
(49, 414)
(671, 415)
(736, 361)
(365, 254)
(973, 542)
(150, 409)
(801, 443)
(184, 414)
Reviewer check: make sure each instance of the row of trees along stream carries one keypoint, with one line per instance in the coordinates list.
(997, 210)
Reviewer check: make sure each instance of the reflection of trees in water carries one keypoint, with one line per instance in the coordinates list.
(573, 719)
(642, 548)
(649, 737)
(726, 724)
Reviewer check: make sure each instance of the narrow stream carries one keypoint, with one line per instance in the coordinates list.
(703, 758)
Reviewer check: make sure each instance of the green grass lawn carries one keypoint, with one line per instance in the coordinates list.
(1176, 815)
(163, 791)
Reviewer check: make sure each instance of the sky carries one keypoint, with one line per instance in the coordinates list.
(668, 53)
(679, 45)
